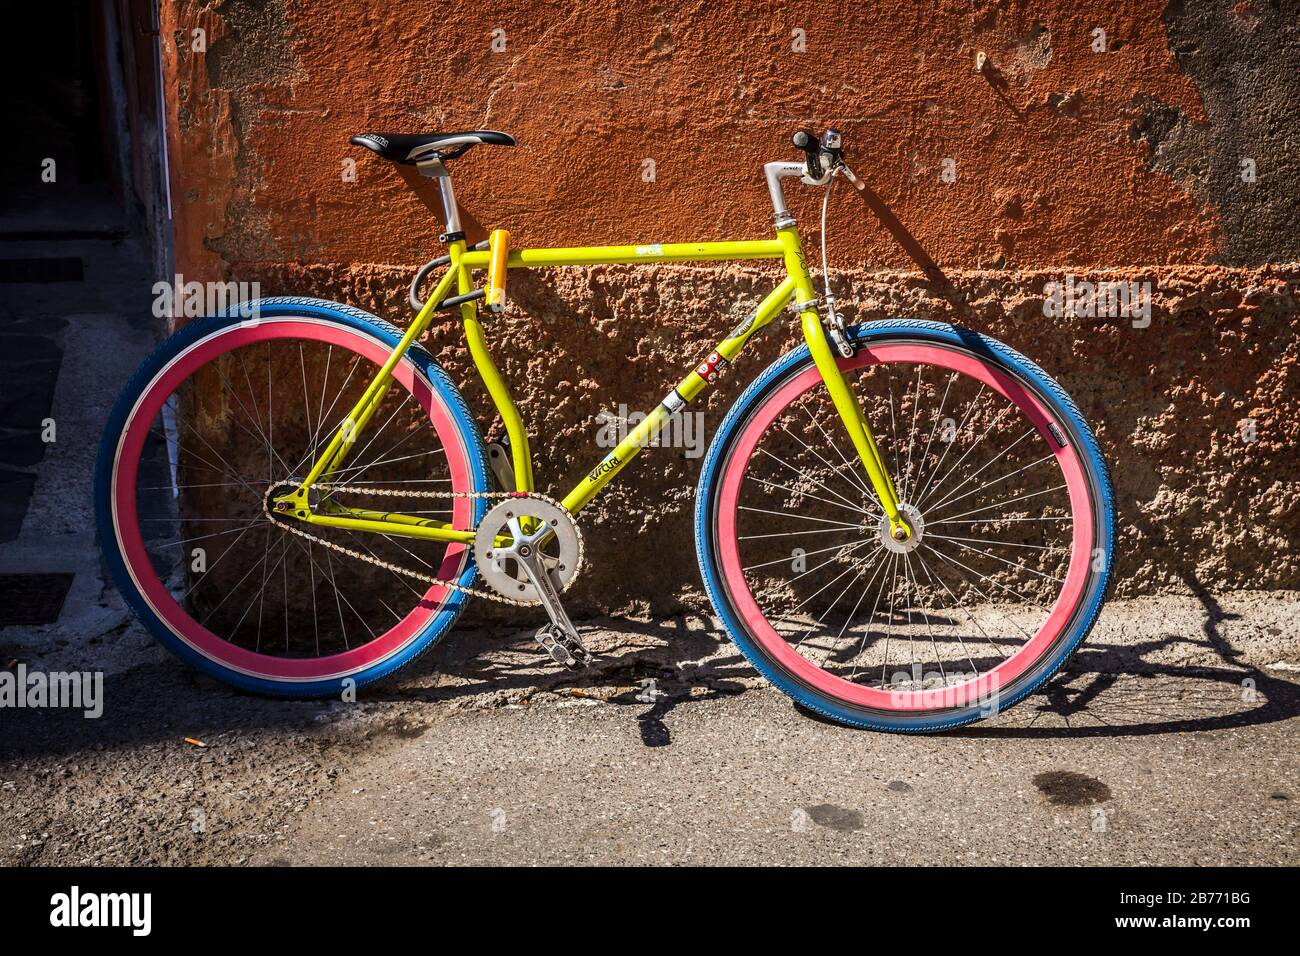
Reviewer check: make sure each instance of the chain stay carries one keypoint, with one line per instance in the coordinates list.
(397, 568)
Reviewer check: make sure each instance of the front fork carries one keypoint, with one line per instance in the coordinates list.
(841, 392)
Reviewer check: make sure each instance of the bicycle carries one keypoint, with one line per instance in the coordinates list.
(246, 476)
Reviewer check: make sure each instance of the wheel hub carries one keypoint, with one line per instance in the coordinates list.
(283, 498)
(913, 541)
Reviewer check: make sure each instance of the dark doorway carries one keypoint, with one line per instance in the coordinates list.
(82, 191)
(82, 99)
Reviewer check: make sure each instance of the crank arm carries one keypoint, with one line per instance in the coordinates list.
(550, 598)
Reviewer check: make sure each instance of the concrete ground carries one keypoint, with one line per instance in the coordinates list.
(1169, 739)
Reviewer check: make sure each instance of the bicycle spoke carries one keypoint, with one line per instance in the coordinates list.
(893, 558)
(787, 514)
(1009, 544)
(952, 495)
(786, 560)
(848, 620)
(893, 590)
(1004, 504)
(830, 607)
(313, 447)
(986, 579)
(214, 564)
(819, 484)
(812, 451)
(788, 534)
(1014, 564)
(852, 466)
(911, 432)
(851, 567)
(978, 442)
(959, 430)
(925, 617)
(934, 575)
(789, 490)
(934, 428)
(978, 590)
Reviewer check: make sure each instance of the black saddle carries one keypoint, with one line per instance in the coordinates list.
(410, 148)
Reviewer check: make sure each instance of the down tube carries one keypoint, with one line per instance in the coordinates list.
(699, 378)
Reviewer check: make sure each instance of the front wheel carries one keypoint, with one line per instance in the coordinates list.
(1002, 481)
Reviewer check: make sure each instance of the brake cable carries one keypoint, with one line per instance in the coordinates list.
(836, 321)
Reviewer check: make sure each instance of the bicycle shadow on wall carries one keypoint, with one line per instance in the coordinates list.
(942, 288)
(425, 189)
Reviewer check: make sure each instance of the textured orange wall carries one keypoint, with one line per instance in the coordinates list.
(709, 91)
(1067, 161)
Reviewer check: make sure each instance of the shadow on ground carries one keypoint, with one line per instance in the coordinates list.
(654, 668)
(1113, 691)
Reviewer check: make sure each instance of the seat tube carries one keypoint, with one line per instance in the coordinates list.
(520, 455)
(841, 392)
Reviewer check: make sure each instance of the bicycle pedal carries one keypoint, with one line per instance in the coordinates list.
(565, 649)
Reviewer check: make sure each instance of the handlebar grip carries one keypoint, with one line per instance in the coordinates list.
(807, 142)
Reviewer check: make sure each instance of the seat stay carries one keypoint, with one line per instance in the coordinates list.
(350, 428)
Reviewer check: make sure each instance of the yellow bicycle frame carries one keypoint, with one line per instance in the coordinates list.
(796, 288)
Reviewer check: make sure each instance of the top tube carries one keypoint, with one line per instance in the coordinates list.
(650, 252)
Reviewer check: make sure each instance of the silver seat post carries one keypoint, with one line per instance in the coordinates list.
(434, 169)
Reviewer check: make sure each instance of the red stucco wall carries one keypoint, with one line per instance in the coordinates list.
(709, 91)
(1067, 160)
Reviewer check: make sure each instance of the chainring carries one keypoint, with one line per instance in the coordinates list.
(561, 548)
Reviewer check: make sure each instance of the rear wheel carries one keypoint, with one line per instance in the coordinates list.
(1000, 477)
(227, 413)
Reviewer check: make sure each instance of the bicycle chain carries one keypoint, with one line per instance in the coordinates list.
(420, 575)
